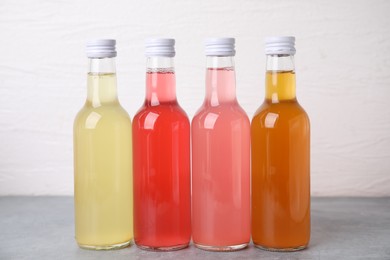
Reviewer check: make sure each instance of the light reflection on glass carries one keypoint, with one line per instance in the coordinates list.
(154, 99)
(275, 98)
(92, 120)
(150, 120)
(270, 120)
(210, 120)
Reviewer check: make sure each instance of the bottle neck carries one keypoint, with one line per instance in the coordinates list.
(101, 82)
(160, 81)
(280, 78)
(220, 80)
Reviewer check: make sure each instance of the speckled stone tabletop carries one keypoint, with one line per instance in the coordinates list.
(342, 228)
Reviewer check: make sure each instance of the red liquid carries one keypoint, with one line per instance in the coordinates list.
(161, 150)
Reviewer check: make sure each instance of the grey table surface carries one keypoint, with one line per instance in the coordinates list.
(342, 228)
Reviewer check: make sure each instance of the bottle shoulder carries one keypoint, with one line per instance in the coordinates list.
(162, 109)
(228, 111)
(164, 113)
(110, 114)
(220, 117)
(282, 113)
(281, 107)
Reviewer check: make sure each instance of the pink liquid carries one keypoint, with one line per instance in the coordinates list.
(221, 165)
(161, 150)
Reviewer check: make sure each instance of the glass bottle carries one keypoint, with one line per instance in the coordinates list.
(161, 134)
(280, 133)
(102, 158)
(220, 157)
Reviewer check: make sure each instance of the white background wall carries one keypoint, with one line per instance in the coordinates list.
(343, 78)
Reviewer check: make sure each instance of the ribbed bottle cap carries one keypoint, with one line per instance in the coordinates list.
(280, 45)
(220, 47)
(160, 47)
(102, 48)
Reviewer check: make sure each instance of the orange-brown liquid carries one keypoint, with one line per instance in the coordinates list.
(280, 134)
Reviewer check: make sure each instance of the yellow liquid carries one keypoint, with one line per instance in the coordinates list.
(273, 90)
(103, 168)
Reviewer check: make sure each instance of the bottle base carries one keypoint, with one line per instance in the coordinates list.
(286, 249)
(162, 248)
(221, 248)
(105, 247)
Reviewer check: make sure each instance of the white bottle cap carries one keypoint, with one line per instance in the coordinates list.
(220, 47)
(280, 45)
(160, 47)
(102, 48)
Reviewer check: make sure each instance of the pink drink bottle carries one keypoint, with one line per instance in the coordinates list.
(220, 157)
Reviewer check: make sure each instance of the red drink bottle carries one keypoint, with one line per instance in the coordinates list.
(161, 151)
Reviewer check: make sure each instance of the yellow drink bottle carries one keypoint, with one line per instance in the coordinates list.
(103, 188)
